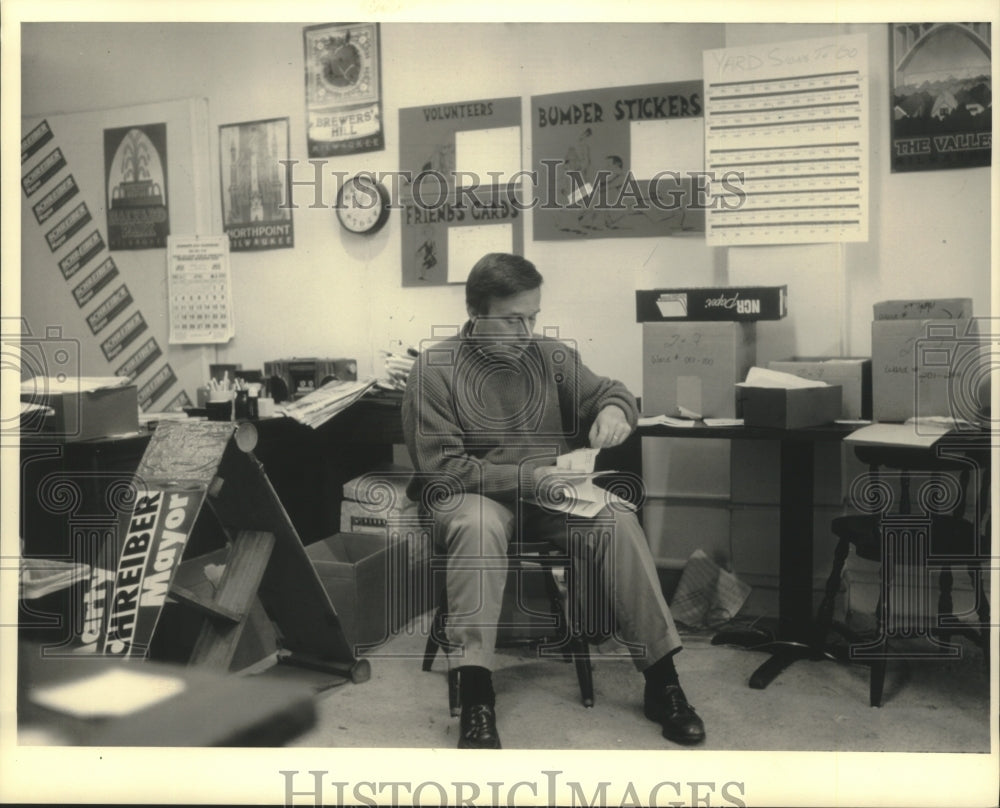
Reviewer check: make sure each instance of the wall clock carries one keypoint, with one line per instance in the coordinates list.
(362, 205)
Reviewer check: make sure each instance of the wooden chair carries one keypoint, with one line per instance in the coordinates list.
(929, 530)
(564, 626)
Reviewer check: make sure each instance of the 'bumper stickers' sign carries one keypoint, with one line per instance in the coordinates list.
(135, 165)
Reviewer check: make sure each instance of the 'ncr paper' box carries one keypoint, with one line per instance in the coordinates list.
(790, 408)
(853, 374)
(735, 303)
(923, 368)
(90, 414)
(691, 368)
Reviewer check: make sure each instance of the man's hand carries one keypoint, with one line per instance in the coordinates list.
(610, 428)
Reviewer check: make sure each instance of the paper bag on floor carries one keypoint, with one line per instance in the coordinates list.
(707, 595)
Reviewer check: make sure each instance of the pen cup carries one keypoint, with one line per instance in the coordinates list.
(219, 406)
(241, 405)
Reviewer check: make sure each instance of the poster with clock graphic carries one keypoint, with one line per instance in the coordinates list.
(343, 89)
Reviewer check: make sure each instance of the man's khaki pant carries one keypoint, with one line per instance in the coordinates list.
(610, 551)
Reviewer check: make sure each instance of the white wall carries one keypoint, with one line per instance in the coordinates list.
(340, 294)
(336, 294)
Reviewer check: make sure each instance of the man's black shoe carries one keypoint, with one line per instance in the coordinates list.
(478, 727)
(668, 706)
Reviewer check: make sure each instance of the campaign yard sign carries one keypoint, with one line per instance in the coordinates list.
(123, 605)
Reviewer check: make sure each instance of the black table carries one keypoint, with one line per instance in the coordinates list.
(793, 639)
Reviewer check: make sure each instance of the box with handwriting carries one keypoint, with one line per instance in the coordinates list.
(853, 374)
(690, 368)
(923, 368)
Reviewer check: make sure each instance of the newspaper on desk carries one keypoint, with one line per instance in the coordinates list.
(322, 404)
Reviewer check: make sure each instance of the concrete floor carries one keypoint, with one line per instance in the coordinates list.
(936, 705)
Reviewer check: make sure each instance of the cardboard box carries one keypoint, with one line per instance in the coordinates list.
(732, 303)
(921, 367)
(694, 367)
(952, 308)
(853, 374)
(371, 583)
(93, 414)
(790, 409)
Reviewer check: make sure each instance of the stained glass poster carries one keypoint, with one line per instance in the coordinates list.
(135, 170)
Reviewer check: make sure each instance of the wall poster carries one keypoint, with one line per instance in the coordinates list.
(459, 188)
(135, 170)
(942, 95)
(618, 162)
(791, 121)
(255, 215)
(343, 89)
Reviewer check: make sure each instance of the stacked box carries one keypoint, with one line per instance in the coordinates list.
(952, 308)
(923, 368)
(797, 408)
(691, 368)
(853, 374)
(87, 414)
(735, 303)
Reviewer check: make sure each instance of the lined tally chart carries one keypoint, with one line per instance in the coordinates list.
(786, 142)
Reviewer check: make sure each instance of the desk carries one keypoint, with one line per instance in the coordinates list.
(795, 535)
(212, 710)
(307, 468)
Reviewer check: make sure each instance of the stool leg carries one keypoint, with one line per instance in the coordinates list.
(982, 609)
(584, 672)
(946, 606)
(876, 680)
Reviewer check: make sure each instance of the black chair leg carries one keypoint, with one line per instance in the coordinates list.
(454, 699)
(435, 638)
(584, 672)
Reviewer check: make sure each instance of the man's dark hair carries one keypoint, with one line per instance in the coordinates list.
(499, 275)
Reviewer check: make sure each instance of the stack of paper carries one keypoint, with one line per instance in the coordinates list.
(28, 409)
(397, 370)
(914, 434)
(575, 493)
(764, 377)
(325, 402)
(50, 385)
(664, 420)
(568, 487)
(42, 576)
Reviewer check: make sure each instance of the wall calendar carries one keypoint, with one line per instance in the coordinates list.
(199, 290)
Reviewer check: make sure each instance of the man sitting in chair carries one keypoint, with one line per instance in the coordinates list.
(487, 412)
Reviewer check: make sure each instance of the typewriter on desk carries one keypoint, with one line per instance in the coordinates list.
(291, 379)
